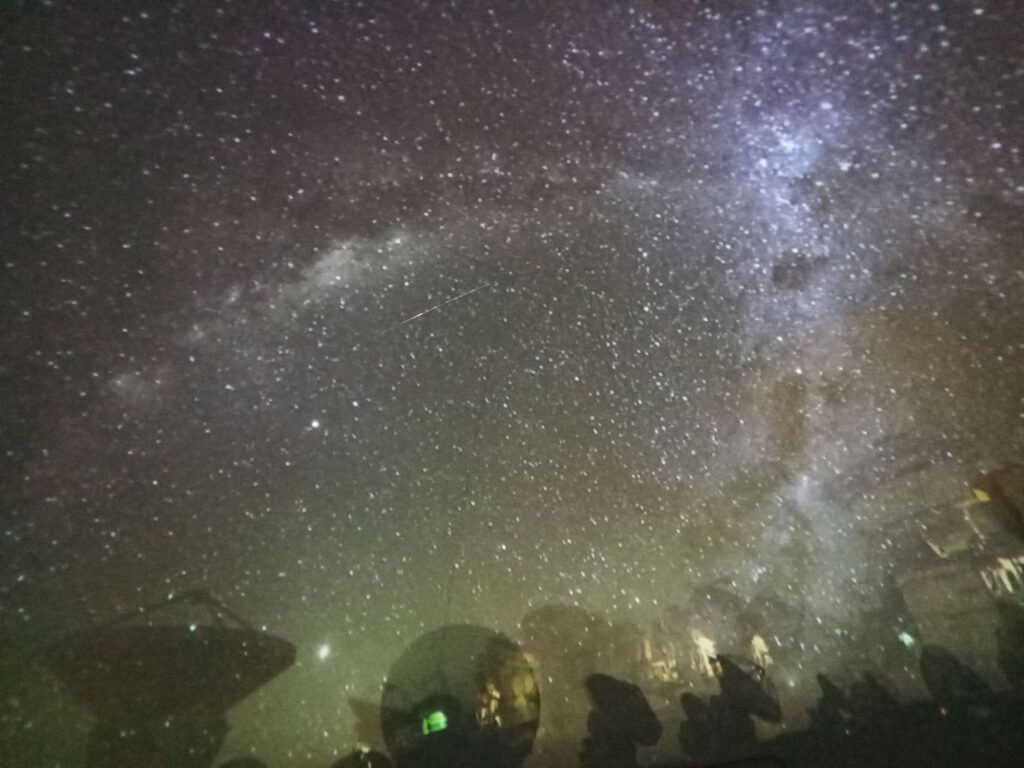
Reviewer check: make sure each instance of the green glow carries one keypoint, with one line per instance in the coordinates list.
(434, 722)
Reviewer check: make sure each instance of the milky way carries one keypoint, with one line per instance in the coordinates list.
(715, 291)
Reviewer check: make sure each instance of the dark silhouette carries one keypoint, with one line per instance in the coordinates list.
(1010, 641)
(951, 683)
(724, 726)
(829, 714)
(159, 687)
(620, 720)
(697, 736)
(460, 695)
(872, 703)
(464, 696)
(747, 686)
(113, 745)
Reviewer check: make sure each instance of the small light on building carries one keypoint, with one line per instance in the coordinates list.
(434, 722)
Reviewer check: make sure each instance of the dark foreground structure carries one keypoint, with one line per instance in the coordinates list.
(464, 696)
(160, 688)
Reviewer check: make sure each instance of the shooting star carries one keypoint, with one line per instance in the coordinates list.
(438, 306)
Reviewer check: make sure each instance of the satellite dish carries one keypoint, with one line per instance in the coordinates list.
(746, 684)
(623, 708)
(154, 669)
(460, 695)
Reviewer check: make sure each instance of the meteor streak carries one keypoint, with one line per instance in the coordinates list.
(438, 306)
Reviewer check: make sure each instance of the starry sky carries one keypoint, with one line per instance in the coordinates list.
(715, 290)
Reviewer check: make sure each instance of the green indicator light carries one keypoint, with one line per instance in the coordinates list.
(434, 722)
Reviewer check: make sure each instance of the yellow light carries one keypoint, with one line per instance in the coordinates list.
(705, 652)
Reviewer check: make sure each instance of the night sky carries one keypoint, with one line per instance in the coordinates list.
(731, 285)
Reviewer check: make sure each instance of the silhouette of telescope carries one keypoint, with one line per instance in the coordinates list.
(624, 708)
(746, 683)
(459, 696)
(139, 668)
